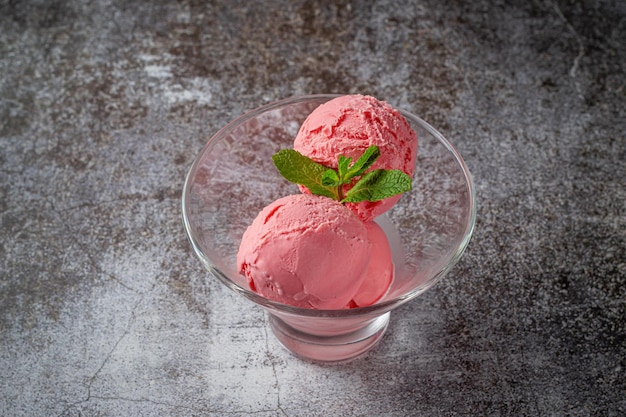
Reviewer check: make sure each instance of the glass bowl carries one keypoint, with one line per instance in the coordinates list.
(233, 178)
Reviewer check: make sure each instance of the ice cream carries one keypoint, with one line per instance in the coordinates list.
(348, 125)
(307, 251)
(312, 251)
(380, 269)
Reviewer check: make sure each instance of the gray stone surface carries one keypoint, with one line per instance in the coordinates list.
(105, 311)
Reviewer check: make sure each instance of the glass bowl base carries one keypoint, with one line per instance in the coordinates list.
(329, 348)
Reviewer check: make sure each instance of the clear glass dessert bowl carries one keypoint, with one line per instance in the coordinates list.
(233, 178)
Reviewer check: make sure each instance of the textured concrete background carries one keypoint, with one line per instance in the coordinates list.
(104, 310)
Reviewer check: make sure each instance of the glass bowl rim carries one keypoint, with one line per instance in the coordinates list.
(379, 307)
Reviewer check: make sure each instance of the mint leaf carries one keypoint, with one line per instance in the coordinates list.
(330, 178)
(364, 162)
(343, 164)
(378, 185)
(302, 170)
(348, 170)
(321, 180)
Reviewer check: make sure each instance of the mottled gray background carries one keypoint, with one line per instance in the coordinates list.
(105, 311)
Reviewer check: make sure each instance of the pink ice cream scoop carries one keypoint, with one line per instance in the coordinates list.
(305, 250)
(348, 125)
(380, 269)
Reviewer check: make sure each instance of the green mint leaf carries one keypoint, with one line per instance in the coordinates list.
(302, 170)
(364, 162)
(343, 164)
(330, 178)
(321, 180)
(378, 185)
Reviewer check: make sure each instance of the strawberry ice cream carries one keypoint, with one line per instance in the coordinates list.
(380, 269)
(348, 125)
(312, 251)
(305, 250)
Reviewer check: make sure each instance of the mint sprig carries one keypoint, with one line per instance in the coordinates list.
(301, 169)
(321, 180)
(378, 185)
